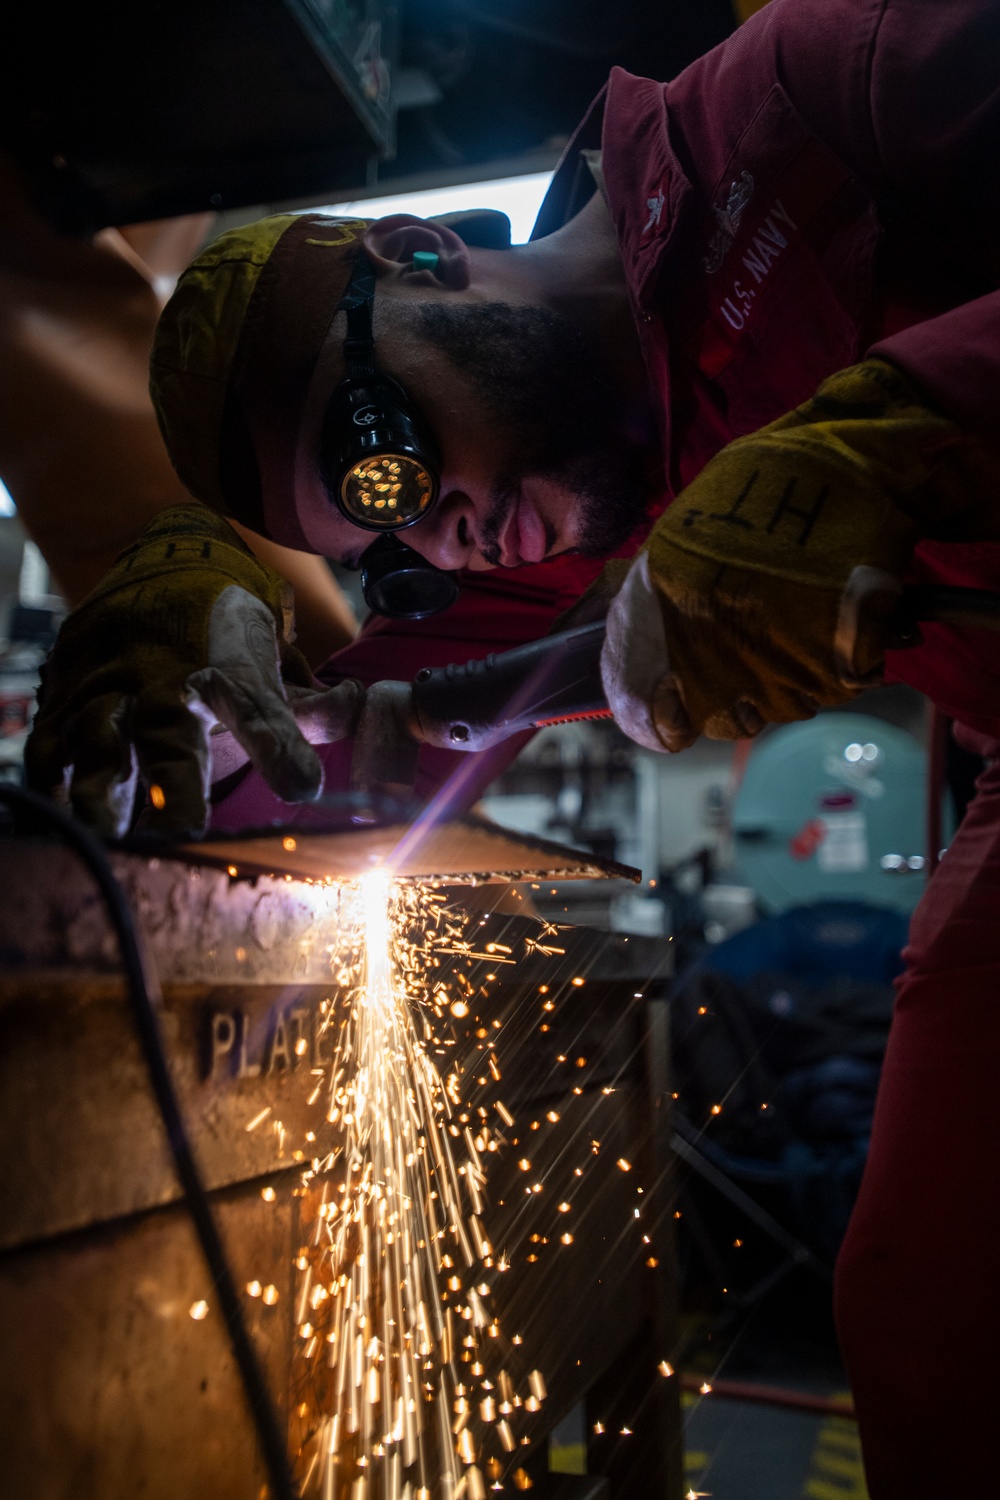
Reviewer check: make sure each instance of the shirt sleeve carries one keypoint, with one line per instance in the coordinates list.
(955, 360)
(935, 110)
(906, 92)
(935, 106)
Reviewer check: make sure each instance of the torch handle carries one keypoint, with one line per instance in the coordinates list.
(476, 704)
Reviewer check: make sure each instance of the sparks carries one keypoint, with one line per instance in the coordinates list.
(393, 1287)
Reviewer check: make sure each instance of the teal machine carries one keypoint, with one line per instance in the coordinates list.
(834, 809)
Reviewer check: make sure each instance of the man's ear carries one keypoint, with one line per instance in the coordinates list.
(392, 242)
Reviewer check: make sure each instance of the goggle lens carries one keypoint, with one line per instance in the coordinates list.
(386, 491)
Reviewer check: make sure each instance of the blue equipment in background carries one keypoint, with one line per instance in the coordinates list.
(786, 1022)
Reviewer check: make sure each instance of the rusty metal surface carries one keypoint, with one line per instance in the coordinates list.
(199, 925)
(107, 1387)
(80, 1139)
(202, 925)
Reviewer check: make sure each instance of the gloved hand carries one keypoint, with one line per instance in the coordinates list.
(186, 632)
(764, 591)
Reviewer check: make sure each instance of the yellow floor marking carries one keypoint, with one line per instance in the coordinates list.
(821, 1489)
(837, 1463)
(568, 1458)
(837, 1472)
(845, 1437)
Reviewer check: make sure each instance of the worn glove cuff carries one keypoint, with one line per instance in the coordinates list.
(191, 538)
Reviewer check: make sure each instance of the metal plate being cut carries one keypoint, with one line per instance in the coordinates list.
(471, 848)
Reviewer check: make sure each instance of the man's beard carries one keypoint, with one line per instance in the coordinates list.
(539, 377)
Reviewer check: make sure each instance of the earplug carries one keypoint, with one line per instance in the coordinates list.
(425, 260)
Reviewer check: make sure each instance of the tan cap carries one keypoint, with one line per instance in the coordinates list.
(244, 363)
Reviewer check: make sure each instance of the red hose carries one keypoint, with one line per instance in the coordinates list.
(772, 1395)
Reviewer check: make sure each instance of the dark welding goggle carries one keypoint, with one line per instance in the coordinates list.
(380, 467)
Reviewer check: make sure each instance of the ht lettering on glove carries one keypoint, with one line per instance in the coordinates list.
(766, 590)
(189, 634)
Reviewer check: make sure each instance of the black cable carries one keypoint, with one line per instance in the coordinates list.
(144, 992)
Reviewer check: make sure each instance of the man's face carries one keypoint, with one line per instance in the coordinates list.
(538, 455)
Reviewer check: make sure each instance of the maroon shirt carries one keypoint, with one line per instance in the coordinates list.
(819, 187)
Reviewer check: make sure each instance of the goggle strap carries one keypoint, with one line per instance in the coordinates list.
(357, 301)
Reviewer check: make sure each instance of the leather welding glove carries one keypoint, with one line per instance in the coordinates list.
(189, 631)
(765, 591)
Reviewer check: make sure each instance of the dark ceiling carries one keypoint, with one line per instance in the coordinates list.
(515, 76)
(116, 112)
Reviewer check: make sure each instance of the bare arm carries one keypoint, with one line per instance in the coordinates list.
(80, 450)
(79, 447)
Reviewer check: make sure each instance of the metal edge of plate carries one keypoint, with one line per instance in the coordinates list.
(562, 863)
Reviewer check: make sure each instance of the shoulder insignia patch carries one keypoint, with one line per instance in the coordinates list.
(727, 220)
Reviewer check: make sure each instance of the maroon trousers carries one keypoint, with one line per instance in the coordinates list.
(918, 1280)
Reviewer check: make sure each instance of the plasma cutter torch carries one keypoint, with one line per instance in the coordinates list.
(478, 704)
